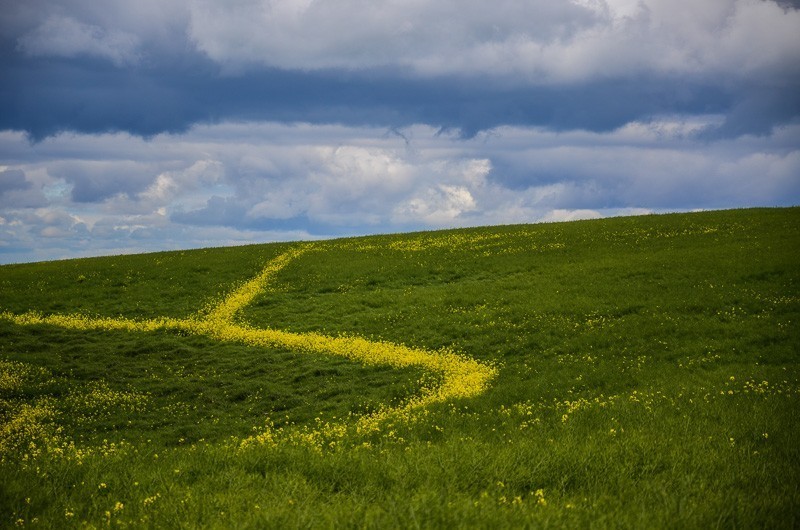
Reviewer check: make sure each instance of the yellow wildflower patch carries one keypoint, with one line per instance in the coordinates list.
(28, 429)
(460, 376)
(98, 399)
(14, 375)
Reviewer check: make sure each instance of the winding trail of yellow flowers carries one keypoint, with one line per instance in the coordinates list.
(460, 376)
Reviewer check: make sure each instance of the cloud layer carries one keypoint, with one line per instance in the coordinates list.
(536, 42)
(592, 64)
(128, 126)
(241, 182)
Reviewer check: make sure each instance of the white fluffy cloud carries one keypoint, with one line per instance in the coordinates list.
(537, 41)
(533, 41)
(245, 182)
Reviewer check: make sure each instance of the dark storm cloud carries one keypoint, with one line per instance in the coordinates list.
(758, 109)
(155, 67)
(46, 96)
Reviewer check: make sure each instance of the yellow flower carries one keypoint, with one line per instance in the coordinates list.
(461, 377)
(540, 500)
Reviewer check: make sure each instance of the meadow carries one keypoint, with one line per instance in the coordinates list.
(639, 372)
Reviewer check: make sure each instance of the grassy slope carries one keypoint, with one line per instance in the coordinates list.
(649, 377)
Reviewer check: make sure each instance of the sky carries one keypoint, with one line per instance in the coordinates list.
(162, 124)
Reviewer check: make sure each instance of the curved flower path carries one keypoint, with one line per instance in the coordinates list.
(460, 376)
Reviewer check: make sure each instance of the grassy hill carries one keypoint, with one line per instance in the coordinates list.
(627, 372)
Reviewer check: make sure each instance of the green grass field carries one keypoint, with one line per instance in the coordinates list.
(631, 372)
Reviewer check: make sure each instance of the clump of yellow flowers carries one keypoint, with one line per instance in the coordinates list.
(459, 376)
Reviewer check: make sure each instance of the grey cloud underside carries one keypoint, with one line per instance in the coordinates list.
(150, 66)
(47, 96)
(16, 191)
(12, 180)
